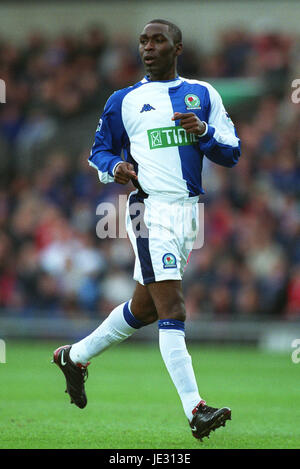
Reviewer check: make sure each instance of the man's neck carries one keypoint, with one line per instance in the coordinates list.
(171, 75)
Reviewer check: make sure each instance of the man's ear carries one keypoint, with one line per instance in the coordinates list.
(179, 48)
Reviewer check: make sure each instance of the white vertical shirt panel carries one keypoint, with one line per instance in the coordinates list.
(161, 166)
(219, 119)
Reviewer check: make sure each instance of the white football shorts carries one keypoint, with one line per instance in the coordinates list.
(162, 232)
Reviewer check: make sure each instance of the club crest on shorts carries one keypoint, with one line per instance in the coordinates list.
(169, 261)
(192, 101)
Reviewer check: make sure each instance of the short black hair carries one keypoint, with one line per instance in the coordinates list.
(175, 31)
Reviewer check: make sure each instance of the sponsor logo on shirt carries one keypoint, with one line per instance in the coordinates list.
(164, 137)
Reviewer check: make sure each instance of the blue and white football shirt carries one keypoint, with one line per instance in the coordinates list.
(167, 160)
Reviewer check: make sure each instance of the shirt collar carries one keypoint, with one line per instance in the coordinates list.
(162, 81)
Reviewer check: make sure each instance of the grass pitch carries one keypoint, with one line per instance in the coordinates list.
(132, 402)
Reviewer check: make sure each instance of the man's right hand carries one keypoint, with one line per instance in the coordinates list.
(124, 172)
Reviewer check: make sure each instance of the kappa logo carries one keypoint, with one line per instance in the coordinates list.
(147, 107)
(169, 261)
(192, 101)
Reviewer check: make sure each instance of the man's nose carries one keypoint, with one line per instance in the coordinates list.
(149, 45)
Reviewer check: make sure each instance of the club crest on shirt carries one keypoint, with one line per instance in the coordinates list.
(169, 261)
(192, 101)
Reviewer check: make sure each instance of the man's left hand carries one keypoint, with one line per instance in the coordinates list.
(190, 122)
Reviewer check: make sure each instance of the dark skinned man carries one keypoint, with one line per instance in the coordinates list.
(164, 125)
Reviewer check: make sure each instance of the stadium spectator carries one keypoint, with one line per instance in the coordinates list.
(249, 264)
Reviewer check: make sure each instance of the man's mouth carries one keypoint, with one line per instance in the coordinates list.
(149, 60)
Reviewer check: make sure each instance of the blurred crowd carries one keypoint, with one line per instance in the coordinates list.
(51, 259)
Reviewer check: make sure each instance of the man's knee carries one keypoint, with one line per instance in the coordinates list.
(143, 312)
(168, 298)
(142, 305)
(175, 310)
(146, 316)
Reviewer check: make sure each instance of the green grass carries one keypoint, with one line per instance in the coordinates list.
(133, 403)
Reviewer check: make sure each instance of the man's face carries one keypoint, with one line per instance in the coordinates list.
(157, 49)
